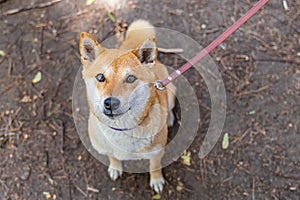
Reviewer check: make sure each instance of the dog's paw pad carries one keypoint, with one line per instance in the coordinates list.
(114, 173)
(157, 184)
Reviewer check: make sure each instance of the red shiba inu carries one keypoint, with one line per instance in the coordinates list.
(128, 117)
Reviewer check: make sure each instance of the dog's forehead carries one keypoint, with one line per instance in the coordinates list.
(125, 62)
(113, 61)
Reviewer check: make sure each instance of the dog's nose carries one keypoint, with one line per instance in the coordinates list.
(111, 103)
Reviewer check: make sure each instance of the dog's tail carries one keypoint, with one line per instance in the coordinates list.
(137, 33)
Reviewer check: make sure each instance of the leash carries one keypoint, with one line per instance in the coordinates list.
(161, 84)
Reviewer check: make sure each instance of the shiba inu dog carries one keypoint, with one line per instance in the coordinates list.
(128, 117)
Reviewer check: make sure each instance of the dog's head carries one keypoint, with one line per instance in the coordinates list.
(119, 81)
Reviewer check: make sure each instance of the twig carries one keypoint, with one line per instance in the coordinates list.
(163, 50)
(285, 5)
(92, 189)
(239, 139)
(253, 188)
(228, 71)
(62, 130)
(42, 41)
(284, 60)
(296, 178)
(80, 190)
(251, 91)
(4, 185)
(7, 88)
(42, 5)
(50, 178)
(110, 33)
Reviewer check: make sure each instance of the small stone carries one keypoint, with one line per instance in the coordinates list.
(292, 188)
(179, 188)
(25, 173)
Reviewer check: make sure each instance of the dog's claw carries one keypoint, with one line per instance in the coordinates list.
(114, 173)
(157, 184)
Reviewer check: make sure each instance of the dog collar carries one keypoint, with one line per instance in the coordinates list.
(120, 129)
(124, 129)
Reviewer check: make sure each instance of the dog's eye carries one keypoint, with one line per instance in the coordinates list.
(100, 77)
(130, 79)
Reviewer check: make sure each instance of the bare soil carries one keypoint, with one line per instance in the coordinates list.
(41, 155)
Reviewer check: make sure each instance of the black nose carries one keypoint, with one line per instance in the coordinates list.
(111, 103)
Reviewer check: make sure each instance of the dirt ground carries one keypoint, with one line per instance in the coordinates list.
(41, 155)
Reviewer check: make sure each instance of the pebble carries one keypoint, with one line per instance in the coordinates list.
(25, 173)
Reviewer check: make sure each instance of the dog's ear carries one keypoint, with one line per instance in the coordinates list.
(147, 51)
(89, 49)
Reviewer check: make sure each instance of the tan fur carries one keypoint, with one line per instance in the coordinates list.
(116, 65)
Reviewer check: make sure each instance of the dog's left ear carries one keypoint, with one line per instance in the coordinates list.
(89, 49)
(147, 51)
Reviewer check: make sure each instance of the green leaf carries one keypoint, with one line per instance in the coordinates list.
(37, 78)
(2, 53)
(225, 142)
(157, 196)
(111, 17)
(89, 2)
(252, 112)
(186, 158)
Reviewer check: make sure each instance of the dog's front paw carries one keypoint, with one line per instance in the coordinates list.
(114, 173)
(157, 184)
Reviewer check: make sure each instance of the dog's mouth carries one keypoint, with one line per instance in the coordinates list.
(112, 115)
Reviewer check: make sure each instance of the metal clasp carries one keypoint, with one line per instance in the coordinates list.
(159, 85)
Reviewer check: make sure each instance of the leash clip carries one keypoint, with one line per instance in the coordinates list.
(159, 85)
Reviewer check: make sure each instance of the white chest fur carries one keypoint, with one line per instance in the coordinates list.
(123, 145)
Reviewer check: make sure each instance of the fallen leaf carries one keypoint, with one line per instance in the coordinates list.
(225, 142)
(252, 112)
(2, 53)
(26, 99)
(89, 2)
(111, 17)
(157, 196)
(37, 78)
(186, 158)
(47, 195)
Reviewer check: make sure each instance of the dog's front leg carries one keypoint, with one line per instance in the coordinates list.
(156, 178)
(115, 169)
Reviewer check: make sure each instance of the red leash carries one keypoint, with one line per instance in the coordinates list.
(160, 84)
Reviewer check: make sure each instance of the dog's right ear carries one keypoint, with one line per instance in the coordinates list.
(89, 49)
